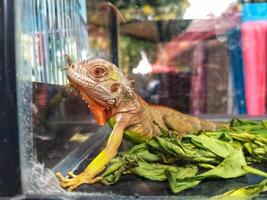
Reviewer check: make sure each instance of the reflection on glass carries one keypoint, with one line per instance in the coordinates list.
(184, 57)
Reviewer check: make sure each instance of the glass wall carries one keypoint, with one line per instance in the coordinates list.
(206, 58)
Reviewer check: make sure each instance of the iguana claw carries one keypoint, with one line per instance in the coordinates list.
(76, 180)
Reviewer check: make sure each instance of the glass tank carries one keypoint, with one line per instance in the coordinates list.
(205, 58)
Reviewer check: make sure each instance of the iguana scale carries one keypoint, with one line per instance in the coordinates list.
(110, 95)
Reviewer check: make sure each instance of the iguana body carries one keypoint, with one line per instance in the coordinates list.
(111, 96)
(152, 119)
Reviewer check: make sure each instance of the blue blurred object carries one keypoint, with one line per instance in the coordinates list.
(237, 69)
(254, 11)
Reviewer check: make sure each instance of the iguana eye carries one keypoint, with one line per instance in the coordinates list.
(99, 71)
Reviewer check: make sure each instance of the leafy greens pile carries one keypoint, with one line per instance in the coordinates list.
(185, 163)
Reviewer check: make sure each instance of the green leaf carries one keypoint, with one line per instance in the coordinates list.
(243, 193)
(218, 147)
(230, 167)
(114, 166)
(113, 175)
(147, 156)
(156, 172)
(208, 166)
(178, 186)
(187, 152)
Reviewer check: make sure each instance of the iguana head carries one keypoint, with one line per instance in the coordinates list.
(101, 84)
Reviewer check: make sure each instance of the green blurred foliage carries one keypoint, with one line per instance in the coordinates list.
(151, 9)
(122, 4)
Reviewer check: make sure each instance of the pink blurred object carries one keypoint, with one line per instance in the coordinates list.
(198, 89)
(254, 42)
(158, 68)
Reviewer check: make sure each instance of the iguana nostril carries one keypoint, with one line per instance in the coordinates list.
(115, 87)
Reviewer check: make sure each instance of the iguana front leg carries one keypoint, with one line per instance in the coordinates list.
(89, 175)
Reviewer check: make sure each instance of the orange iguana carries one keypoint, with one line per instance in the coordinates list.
(111, 96)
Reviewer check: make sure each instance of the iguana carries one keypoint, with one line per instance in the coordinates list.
(110, 95)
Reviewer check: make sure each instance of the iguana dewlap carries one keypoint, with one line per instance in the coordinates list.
(111, 96)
